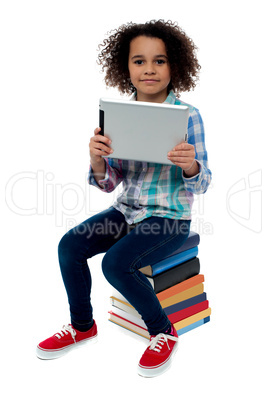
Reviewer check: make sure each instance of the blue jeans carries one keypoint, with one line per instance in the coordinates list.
(127, 248)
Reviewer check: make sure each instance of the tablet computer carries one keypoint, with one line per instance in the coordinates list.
(143, 131)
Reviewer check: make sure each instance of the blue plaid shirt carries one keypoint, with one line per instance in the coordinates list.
(152, 189)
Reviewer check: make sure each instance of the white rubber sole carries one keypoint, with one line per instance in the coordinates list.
(44, 354)
(156, 371)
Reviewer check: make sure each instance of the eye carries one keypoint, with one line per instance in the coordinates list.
(160, 61)
(138, 62)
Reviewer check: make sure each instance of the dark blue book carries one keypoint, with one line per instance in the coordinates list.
(185, 303)
(193, 240)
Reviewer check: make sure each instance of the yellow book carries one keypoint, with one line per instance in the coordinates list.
(193, 318)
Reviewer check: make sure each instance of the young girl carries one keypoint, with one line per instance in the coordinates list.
(151, 217)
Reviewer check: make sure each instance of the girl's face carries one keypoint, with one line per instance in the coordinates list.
(149, 68)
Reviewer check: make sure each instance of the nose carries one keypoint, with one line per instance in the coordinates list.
(150, 69)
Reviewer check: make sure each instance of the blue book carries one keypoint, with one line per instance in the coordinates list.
(170, 262)
(193, 326)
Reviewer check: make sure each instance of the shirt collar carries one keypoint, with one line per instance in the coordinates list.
(171, 98)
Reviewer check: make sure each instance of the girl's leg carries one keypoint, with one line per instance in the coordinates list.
(95, 235)
(150, 241)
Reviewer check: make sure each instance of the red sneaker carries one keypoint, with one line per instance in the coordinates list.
(64, 341)
(157, 357)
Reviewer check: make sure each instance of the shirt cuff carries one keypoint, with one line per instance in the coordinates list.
(196, 177)
(102, 183)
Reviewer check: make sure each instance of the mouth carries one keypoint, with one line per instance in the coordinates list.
(149, 80)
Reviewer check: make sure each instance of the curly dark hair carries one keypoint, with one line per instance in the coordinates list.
(181, 52)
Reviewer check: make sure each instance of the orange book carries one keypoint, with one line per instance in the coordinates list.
(180, 287)
(185, 294)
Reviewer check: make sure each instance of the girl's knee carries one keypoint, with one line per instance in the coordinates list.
(68, 246)
(111, 267)
(64, 245)
(105, 266)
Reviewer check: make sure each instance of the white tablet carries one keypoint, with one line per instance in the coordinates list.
(143, 131)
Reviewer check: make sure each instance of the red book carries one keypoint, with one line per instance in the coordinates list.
(187, 312)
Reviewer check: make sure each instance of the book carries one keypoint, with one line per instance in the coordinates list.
(136, 319)
(124, 305)
(185, 303)
(193, 326)
(174, 275)
(181, 326)
(185, 294)
(188, 312)
(193, 318)
(179, 287)
(193, 240)
(137, 329)
(169, 262)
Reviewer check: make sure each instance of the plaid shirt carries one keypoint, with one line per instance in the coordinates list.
(152, 189)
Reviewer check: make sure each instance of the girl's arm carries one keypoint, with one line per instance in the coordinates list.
(104, 173)
(192, 157)
(99, 146)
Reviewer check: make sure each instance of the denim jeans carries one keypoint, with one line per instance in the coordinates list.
(127, 248)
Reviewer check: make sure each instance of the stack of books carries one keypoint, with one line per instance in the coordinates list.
(179, 287)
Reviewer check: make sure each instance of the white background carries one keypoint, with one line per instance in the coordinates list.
(50, 86)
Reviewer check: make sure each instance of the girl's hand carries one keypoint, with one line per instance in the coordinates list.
(99, 146)
(183, 155)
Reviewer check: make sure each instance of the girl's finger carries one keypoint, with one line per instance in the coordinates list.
(102, 139)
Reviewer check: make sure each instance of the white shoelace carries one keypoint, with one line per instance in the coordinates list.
(158, 341)
(65, 330)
